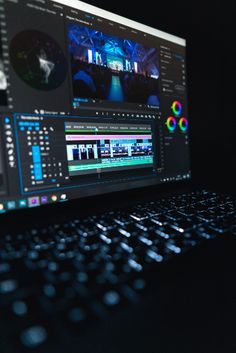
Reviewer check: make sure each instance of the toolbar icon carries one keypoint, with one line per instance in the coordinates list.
(23, 203)
(54, 198)
(11, 205)
(33, 201)
(44, 199)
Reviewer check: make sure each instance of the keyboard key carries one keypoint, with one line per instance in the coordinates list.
(205, 216)
(159, 220)
(138, 216)
(182, 225)
(135, 265)
(174, 215)
(33, 336)
(173, 247)
(130, 294)
(139, 284)
(154, 256)
(207, 233)
(111, 298)
(8, 286)
(4, 268)
(19, 308)
(77, 315)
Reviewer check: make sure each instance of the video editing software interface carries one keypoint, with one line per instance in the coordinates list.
(88, 104)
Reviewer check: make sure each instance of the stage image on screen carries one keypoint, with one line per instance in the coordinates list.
(3, 80)
(101, 148)
(38, 60)
(109, 68)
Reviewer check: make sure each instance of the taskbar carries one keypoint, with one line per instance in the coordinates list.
(63, 196)
(31, 202)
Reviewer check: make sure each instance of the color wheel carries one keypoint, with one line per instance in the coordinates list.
(183, 124)
(176, 108)
(171, 124)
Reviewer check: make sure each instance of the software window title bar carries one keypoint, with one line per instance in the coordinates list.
(121, 20)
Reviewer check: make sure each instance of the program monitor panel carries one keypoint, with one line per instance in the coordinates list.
(90, 102)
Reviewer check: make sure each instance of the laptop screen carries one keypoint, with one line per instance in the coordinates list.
(90, 102)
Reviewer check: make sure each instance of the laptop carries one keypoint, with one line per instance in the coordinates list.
(95, 169)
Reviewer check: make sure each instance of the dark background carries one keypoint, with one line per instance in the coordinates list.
(209, 28)
(192, 305)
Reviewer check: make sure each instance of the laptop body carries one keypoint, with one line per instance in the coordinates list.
(94, 120)
(99, 78)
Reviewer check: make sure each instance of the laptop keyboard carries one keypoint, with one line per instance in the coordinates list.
(68, 274)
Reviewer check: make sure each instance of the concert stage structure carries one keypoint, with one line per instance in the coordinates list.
(110, 68)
